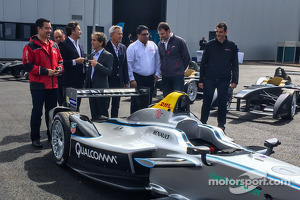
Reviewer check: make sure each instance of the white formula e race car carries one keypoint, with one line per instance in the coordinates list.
(165, 149)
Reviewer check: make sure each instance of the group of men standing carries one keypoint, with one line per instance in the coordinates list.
(53, 66)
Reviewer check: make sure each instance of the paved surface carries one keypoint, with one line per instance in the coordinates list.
(27, 173)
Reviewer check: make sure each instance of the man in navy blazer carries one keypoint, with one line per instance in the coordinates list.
(119, 77)
(97, 74)
(72, 53)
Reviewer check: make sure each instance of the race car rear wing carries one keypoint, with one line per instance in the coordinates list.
(73, 94)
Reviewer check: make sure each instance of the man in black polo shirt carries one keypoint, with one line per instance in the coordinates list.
(219, 69)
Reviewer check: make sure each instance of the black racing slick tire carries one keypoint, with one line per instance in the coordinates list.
(191, 88)
(292, 106)
(60, 142)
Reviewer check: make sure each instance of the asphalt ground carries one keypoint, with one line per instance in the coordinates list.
(29, 173)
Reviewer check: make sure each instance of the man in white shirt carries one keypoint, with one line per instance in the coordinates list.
(143, 66)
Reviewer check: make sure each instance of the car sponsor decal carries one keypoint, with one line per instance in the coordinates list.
(73, 127)
(166, 105)
(87, 156)
(93, 154)
(158, 113)
(163, 135)
(71, 101)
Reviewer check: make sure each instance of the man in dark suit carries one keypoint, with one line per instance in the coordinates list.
(119, 77)
(97, 74)
(59, 36)
(72, 53)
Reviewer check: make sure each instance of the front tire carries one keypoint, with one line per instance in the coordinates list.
(60, 142)
(292, 106)
(191, 89)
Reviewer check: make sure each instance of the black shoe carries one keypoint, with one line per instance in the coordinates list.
(37, 144)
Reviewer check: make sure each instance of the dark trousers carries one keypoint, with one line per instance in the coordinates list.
(60, 97)
(144, 101)
(115, 104)
(98, 106)
(172, 83)
(208, 92)
(39, 97)
(115, 101)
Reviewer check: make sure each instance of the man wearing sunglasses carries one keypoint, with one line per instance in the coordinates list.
(143, 66)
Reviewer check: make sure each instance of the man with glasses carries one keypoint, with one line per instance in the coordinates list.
(143, 65)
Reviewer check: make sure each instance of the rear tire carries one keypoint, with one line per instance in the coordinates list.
(60, 134)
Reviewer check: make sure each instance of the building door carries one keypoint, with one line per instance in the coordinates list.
(137, 12)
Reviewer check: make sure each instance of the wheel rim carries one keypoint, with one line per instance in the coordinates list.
(192, 90)
(293, 105)
(58, 140)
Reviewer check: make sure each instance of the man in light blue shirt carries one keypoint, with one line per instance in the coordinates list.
(143, 65)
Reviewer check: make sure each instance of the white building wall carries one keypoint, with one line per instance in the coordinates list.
(255, 26)
(58, 12)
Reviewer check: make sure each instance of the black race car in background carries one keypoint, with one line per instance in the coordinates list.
(14, 68)
(275, 96)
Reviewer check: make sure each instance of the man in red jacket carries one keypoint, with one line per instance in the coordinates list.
(42, 59)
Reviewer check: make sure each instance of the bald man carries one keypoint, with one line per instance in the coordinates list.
(59, 36)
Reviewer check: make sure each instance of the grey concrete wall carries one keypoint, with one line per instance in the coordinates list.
(255, 26)
(58, 12)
